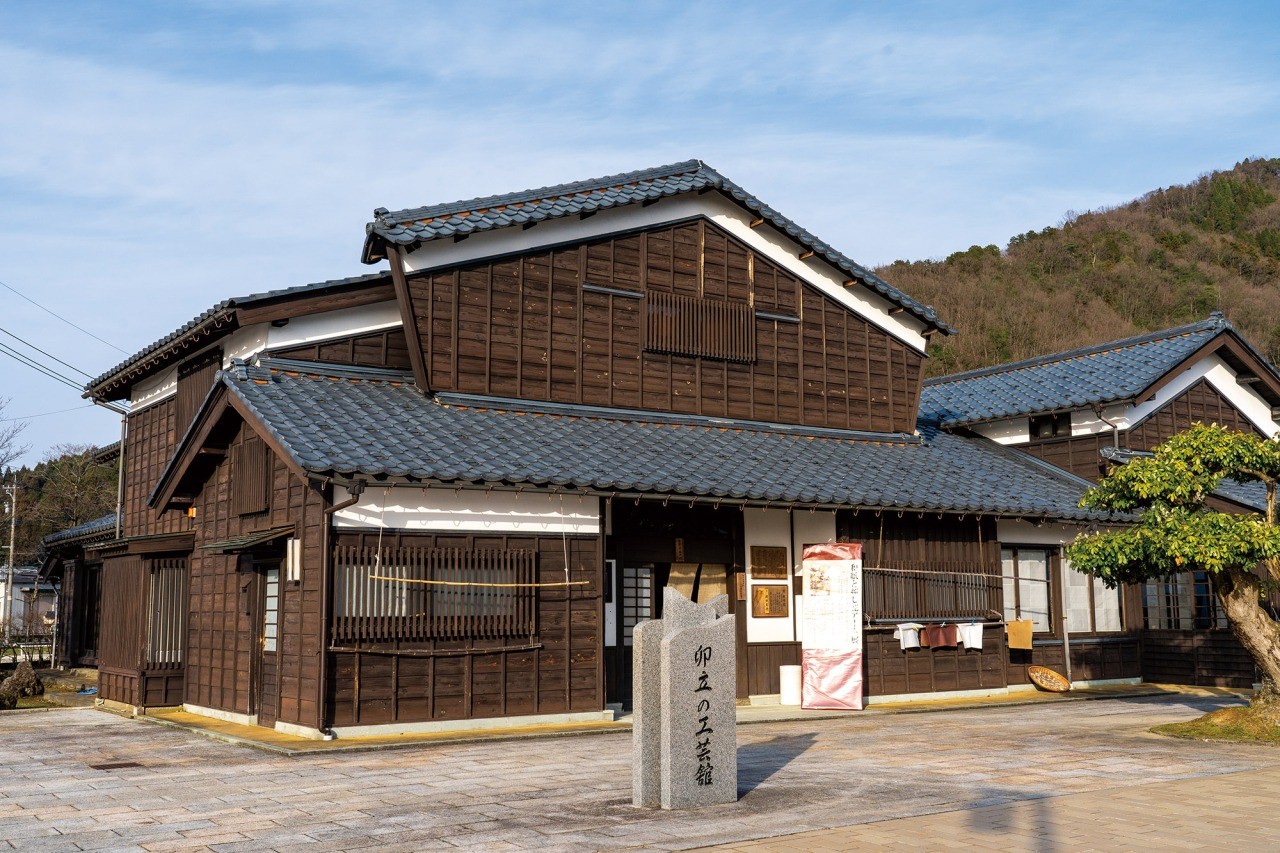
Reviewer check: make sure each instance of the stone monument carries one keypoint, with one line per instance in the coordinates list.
(684, 722)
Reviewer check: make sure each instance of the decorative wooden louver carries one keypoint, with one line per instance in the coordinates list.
(250, 477)
(706, 328)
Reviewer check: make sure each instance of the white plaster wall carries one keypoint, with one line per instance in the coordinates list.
(444, 510)
(764, 239)
(153, 389)
(1011, 431)
(243, 343)
(1018, 532)
(770, 528)
(335, 324)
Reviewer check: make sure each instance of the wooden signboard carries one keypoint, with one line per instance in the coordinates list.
(768, 563)
(770, 600)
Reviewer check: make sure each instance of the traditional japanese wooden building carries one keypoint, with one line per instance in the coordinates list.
(447, 492)
(1091, 408)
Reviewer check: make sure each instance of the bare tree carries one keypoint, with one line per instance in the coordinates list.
(10, 449)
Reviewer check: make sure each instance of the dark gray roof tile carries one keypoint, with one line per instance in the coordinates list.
(1105, 373)
(374, 427)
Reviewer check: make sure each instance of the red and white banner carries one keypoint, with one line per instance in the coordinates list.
(831, 654)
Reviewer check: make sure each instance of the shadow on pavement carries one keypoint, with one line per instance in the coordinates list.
(758, 761)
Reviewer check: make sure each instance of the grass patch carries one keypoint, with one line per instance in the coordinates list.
(1243, 725)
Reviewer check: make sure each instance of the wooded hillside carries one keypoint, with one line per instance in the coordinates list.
(1167, 258)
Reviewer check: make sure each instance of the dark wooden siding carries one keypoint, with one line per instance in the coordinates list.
(149, 445)
(762, 662)
(1201, 402)
(1081, 455)
(1202, 658)
(927, 542)
(222, 645)
(568, 326)
(889, 670)
(375, 349)
(195, 378)
(458, 679)
(1103, 658)
(123, 637)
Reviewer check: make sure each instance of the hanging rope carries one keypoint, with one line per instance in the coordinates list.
(477, 583)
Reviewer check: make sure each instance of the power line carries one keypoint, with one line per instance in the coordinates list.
(47, 414)
(40, 368)
(45, 354)
(63, 319)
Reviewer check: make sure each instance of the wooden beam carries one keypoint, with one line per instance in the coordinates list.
(587, 214)
(806, 255)
(458, 238)
(525, 226)
(759, 220)
(299, 306)
(408, 320)
(897, 309)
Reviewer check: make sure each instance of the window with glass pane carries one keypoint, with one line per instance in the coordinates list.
(1026, 585)
(1091, 607)
(271, 610)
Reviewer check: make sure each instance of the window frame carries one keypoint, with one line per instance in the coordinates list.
(1052, 557)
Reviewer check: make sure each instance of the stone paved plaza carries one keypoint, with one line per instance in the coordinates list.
(89, 780)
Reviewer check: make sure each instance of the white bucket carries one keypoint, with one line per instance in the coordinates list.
(789, 676)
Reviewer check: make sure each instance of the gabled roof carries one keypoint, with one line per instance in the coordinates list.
(344, 424)
(415, 226)
(1105, 373)
(215, 322)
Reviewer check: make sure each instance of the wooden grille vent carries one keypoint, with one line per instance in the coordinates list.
(168, 613)
(469, 594)
(916, 594)
(708, 328)
(250, 477)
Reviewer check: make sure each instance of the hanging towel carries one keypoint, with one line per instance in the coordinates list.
(940, 636)
(1020, 634)
(971, 635)
(908, 635)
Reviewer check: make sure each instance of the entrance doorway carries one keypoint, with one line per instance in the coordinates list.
(694, 549)
(266, 693)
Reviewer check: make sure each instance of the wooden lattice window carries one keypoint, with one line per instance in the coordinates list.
(706, 328)
(250, 476)
(167, 614)
(416, 593)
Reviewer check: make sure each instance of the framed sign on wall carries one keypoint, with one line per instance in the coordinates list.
(770, 600)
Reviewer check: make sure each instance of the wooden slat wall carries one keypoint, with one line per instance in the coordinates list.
(1081, 454)
(915, 541)
(568, 326)
(1099, 659)
(377, 349)
(221, 638)
(1202, 658)
(434, 680)
(1201, 402)
(705, 327)
(891, 671)
(195, 378)
(250, 476)
(152, 437)
(763, 661)
(122, 640)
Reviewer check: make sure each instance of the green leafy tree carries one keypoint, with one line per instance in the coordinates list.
(1177, 532)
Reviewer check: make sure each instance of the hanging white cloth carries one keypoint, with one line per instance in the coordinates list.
(971, 635)
(908, 635)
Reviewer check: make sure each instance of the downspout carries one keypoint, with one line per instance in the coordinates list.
(355, 488)
(1066, 635)
(1115, 427)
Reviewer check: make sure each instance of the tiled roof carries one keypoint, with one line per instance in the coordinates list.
(423, 224)
(90, 530)
(222, 317)
(1105, 373)
(342, 424)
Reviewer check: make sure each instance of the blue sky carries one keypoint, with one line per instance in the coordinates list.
(158, 157)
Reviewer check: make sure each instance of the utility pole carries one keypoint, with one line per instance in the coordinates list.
(7, 604)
